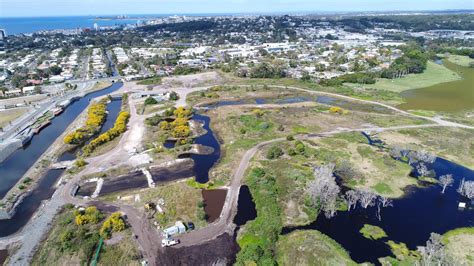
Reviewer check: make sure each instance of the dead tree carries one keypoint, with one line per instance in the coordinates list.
(466, 188)
(383, 202)
(367, 198)
(351, 197)
(445, 181)
(421, 156)
(324, 189)
(423, 170)
(434, 252)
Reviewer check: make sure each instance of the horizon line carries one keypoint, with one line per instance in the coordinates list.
(197, 14)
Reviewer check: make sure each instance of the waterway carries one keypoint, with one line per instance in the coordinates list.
(450, 96)
(322, 99)
(16, 165)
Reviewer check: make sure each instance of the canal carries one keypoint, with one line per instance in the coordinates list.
(16, 165)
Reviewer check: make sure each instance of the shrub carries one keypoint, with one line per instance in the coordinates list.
(80, 162)
(336, 110)
(150, 101)
(96, 115)
(112, 224)
(174, 96)
(120, 126)
(274, 152)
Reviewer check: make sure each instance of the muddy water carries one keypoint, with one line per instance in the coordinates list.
(214, 201)
(450, 96)
(3, 256)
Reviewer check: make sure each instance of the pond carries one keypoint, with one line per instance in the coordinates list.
(421, 211)
(213, 202)
(450, 96)
(245, 207)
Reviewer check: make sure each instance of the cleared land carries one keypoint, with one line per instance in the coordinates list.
(181, 203)
(10, 115)
(310, 248)
(434, 74)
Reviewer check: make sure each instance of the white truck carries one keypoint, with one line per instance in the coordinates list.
(168, 242)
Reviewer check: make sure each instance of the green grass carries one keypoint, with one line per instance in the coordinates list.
(460, 60)
(150, 81)
(300, 129)
(209, 185)
(457, 231)
(382, 188)
(434, 74)
(310, 247)
(372, 232)
(401, 251)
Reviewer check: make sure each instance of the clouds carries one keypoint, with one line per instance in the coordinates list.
(9, 8)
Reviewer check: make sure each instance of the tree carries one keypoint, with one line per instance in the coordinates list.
(445, 181)
(367, 198)
(466, 188)
(351, 197)
(423, 170)
(55, 70)
(324, 189)
(433, 253)
(383, 202)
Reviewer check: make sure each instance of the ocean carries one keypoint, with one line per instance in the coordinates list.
(29, 25)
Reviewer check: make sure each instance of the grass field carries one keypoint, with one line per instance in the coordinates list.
(310, 247)
(10, 115)
(460, 245)
(460, 60)
(434, 74)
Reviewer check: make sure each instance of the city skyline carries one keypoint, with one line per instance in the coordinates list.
(44, 8)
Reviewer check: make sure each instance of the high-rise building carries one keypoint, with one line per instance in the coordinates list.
(3, 41)
(96, 26)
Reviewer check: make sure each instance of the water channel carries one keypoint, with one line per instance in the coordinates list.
(16, 165)
(38, 145)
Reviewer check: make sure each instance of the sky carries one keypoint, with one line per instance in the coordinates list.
(36, 8)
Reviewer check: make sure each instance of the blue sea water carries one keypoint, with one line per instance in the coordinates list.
(34, 24)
